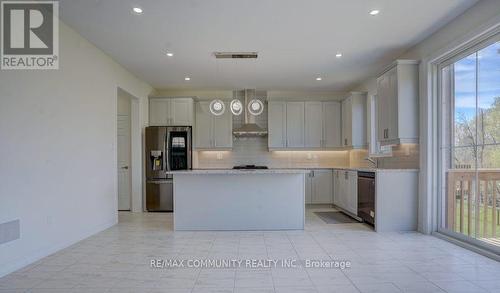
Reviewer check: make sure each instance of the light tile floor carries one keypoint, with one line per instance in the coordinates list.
(118, 260)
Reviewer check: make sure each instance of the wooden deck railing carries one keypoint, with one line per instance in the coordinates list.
(473, 209)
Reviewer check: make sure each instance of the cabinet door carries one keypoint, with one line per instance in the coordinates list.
(277, 125)
(181, 112)
(347, 122)
(352, 198)
(382, 89)
(336, 187)
(342, 189)
(223, 130)
(322, 186)
(332, 123)
(308, 188)
(313, 124)
(392, 106)
(295, 124)
(203, 126)
(159, 112)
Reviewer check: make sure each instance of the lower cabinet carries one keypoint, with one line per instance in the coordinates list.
(346, 190)
(319, 187)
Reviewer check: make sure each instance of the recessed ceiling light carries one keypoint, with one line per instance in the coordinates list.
(169, 54)
(319, 78)
(137, 10)
(374, 12)
(187, 78)
(338, 55)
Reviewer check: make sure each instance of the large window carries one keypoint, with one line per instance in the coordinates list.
(470, 145)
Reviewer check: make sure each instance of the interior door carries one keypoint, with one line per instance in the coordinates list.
(332, 125)
(314, 124)
(123, 154)
(204, 125)
(295, 124)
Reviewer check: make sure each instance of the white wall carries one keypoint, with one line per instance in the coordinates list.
(58, 149)
(484, 13)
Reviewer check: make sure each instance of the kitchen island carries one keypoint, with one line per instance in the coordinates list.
(239, 199)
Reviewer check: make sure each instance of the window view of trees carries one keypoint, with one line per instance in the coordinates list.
(477, 109)
(473, 156)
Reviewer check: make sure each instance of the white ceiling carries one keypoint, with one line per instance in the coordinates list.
(296, 39)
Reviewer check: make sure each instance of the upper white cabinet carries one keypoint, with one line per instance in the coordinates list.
(332, 125)
(304, 125)
(295, 135)
(276, 124)
(314, 124)
(171, 111)
(354, 120)
(397, 103)
(212, 132)
(319, 187)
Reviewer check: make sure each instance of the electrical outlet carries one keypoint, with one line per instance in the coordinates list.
(219, 156)
(309, 156)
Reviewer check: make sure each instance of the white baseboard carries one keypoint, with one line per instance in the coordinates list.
(8, 268)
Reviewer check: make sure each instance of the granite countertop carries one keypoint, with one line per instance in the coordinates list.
(239, 172)
(284, 170)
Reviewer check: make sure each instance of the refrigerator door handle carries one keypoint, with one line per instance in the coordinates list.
(167, 152)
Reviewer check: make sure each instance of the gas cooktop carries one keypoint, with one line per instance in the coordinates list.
(249, 167)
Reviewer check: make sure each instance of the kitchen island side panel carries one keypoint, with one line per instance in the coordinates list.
(243, 201)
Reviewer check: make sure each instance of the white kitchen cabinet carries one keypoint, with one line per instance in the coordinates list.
(397, 103)
(322, 186)
(313, 124)
(352, 192)
(319, 187)
(346, 190)
(276, 125)
(171, 111)
(308, 187)
(304, 125)
(354, 120)
(295, 137)
(212, 132)
(223, 130)
(332, 125)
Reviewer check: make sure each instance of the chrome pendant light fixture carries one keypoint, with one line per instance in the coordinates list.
(236, 107)
(217, 107)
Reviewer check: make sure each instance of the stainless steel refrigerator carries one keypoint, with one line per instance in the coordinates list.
(168, 148)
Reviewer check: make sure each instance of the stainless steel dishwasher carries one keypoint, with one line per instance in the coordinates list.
(366, 196)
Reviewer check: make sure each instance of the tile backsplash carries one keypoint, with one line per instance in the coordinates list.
(253, 150)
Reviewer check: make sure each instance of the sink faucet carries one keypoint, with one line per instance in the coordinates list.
(373, 161)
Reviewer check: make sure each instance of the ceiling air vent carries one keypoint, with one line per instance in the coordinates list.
(236, 55)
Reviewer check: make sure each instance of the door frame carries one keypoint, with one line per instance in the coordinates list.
(430, 176)
(136, 174)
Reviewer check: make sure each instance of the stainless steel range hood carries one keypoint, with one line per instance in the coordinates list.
(249, 127)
